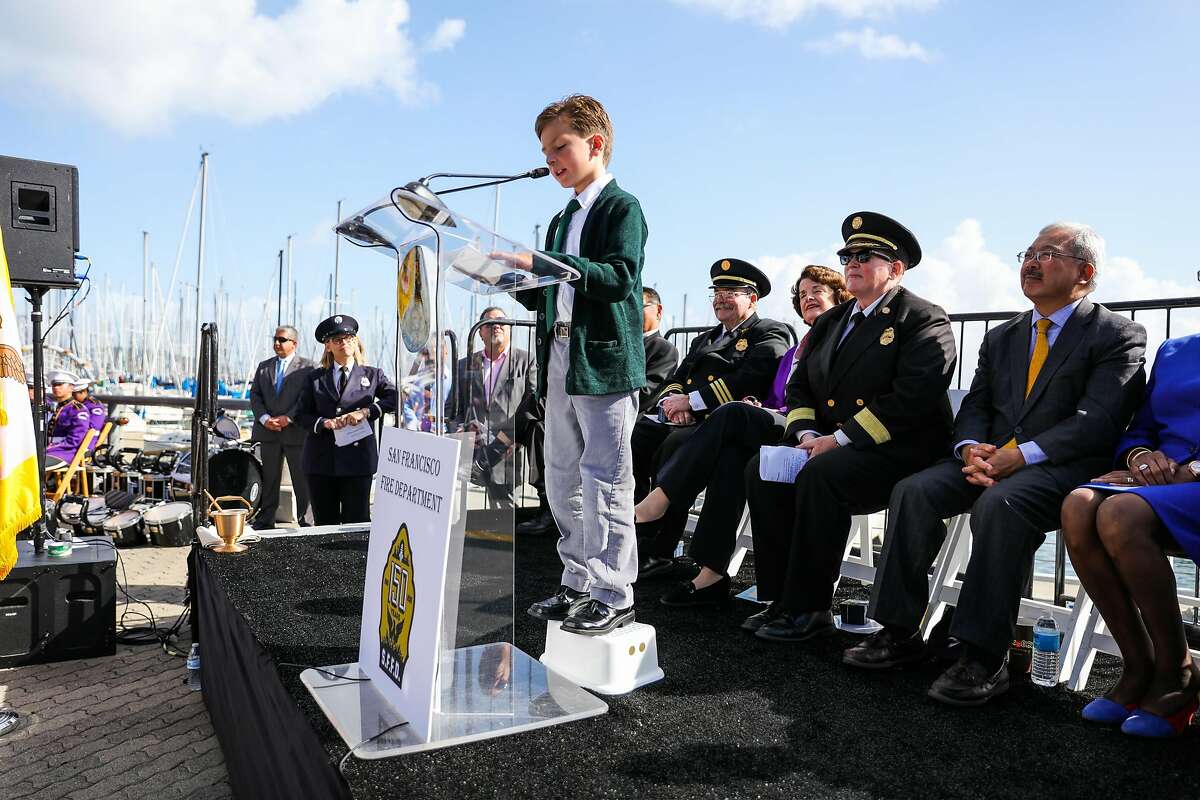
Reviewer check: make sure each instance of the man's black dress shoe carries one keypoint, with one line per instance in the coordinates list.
(769, 614)
(594, 618)
(969, 683)
(797, 627)
(884, 650)
(558, 606)
(655, 567)
(542, 524)
(686, 594)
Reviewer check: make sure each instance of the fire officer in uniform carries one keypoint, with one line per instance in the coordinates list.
(342, 394)
(869, 405)
(69, 420)
(738, 358)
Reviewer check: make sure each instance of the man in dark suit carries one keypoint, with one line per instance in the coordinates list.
(736, 358)
(869, 406)
(485, 394)
(274, 398)
(661, 355)
(1053, 390)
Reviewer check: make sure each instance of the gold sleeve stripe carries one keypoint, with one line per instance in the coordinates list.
(871, 424)
(721, 391)
(670, 387)
(797, 414)
(871, 237)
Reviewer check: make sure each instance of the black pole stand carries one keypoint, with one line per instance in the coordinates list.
(43, 528)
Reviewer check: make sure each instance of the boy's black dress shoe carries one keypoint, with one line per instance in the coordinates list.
(558, 606)
(543, 523)
(797, 627)
(884, 650)
(686, 594)
(969, 683)
(769, 614)
(655, 567)
(594, 618)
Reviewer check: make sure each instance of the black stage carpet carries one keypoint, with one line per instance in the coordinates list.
(734, 717)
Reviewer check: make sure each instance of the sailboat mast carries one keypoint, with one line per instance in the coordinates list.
(145, 305)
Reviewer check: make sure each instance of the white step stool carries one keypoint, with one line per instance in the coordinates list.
(615, 663)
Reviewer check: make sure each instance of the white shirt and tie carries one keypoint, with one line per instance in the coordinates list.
(565, 300)
(281, 368)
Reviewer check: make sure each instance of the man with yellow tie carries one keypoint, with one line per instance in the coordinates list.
(1053, 390)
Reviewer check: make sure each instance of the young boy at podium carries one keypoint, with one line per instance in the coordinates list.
(591, 364)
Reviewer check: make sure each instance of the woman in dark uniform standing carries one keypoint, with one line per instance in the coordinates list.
(340, 396)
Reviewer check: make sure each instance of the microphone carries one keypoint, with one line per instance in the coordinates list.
(493, 180)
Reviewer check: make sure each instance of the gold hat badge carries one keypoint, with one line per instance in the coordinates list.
(856, 223)
(725, 265)
(888, 336)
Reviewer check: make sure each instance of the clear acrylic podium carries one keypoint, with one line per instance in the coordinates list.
(486, 686)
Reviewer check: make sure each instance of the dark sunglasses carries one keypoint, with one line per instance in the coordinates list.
(282, 339)
(863, 256)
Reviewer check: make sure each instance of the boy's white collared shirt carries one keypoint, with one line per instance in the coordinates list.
(566, 292)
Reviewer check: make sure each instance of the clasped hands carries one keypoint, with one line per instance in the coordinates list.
(277, 423)
(984, 464)
(677, 408)
(346, 420)
(1148, 468)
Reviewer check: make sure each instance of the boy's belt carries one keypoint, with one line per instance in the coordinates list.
(561, 330)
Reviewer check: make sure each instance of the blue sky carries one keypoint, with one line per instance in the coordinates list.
(747, 128)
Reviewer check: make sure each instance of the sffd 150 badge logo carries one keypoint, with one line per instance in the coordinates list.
(397, 599)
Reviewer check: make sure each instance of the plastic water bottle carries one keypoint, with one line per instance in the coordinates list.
(193, 667)
(1045, 651)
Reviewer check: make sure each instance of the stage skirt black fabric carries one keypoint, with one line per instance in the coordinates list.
(270, 748)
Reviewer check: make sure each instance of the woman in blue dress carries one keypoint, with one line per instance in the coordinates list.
(1118, 531)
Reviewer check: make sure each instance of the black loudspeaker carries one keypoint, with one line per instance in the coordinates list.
(39, 216)
(57, 609)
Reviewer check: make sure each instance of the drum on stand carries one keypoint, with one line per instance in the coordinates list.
(125, 527)
(100, 479)
(236, 472)
(169, 524)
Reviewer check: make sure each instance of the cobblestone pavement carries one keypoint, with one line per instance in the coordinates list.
(122, 726)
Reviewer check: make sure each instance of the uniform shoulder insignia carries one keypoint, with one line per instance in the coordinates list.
(888, 336)
(741, 345)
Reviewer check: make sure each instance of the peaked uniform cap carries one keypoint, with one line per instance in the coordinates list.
(335, 325)
(867, 230)
(731, 273)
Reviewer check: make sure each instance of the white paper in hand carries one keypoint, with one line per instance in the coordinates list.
(780, 464)
(352, 433)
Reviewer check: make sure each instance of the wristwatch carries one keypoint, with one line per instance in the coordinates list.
(1194, 468)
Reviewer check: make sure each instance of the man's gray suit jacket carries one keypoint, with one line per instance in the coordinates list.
(264, 400)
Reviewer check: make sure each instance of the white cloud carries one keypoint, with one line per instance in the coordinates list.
(138, 65)
(782, 13)
(871, 45)
(446, 36)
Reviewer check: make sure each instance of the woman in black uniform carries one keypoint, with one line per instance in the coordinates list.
(342, 398)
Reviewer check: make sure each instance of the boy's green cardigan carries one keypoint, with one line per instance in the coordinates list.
(606, 350)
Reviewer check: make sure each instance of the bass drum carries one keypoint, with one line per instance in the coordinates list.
(125, 527)
(169, 524)
(236, 473)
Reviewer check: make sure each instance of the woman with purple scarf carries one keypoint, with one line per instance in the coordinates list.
(714, 458)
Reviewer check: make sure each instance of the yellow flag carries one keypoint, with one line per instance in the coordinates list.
(19, 506)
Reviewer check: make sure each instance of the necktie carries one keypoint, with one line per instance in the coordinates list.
(343, 380)
(1041, 349)
(564, 222)
(855, 319)
(278, 375)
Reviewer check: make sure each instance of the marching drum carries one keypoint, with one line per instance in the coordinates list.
(169, 524)
(125, 527)
(100, 479)
(70, 512)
